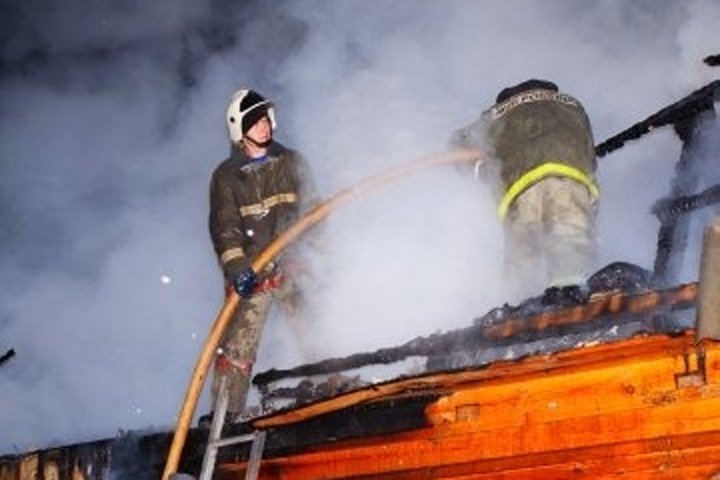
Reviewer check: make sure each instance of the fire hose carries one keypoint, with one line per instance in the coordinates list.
(308, 220)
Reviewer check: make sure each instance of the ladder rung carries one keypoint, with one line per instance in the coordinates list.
(215, 441)
(223, 442)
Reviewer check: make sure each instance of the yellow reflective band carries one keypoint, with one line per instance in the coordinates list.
(231, 254)
(549, 169)
(263, 208)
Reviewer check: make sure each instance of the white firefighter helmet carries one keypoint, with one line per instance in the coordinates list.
(245, 108)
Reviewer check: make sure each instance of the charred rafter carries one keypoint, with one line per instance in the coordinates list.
(667, 210)
(7, 356)
(676, 114)
(656, 301)
(712, 60)
(499, 328)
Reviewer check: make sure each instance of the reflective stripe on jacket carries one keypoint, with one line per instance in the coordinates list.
(252, 202)
(536, 134)
(550, 169)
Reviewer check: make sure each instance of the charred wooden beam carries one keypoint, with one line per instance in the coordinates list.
(654, 301)
(685, 116)
(672, 235)
(669, 209)
(677, 113)
(497, 329)
(7, 356)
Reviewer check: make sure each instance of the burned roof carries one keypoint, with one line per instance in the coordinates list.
(620, 306)
(620, 301)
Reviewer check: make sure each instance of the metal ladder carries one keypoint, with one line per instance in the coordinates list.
(214, 442)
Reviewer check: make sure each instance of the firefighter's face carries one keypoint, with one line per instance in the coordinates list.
(261, 132)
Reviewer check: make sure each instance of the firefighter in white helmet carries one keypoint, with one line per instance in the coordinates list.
(255, 195)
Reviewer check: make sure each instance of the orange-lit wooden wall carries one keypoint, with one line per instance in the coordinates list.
(643, 408)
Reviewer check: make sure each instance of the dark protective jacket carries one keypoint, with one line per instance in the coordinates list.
(530, 136)
(252, 202)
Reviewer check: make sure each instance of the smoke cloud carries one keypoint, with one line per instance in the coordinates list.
(111, 122)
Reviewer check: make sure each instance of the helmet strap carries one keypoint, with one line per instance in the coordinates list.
(256, 143)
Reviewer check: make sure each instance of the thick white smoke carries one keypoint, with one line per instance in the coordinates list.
(112, 120)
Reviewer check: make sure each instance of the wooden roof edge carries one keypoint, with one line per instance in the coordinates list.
(645, 346)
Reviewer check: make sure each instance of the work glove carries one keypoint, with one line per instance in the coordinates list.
(245, 283)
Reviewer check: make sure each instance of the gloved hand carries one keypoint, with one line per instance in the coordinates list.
(245, 283)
